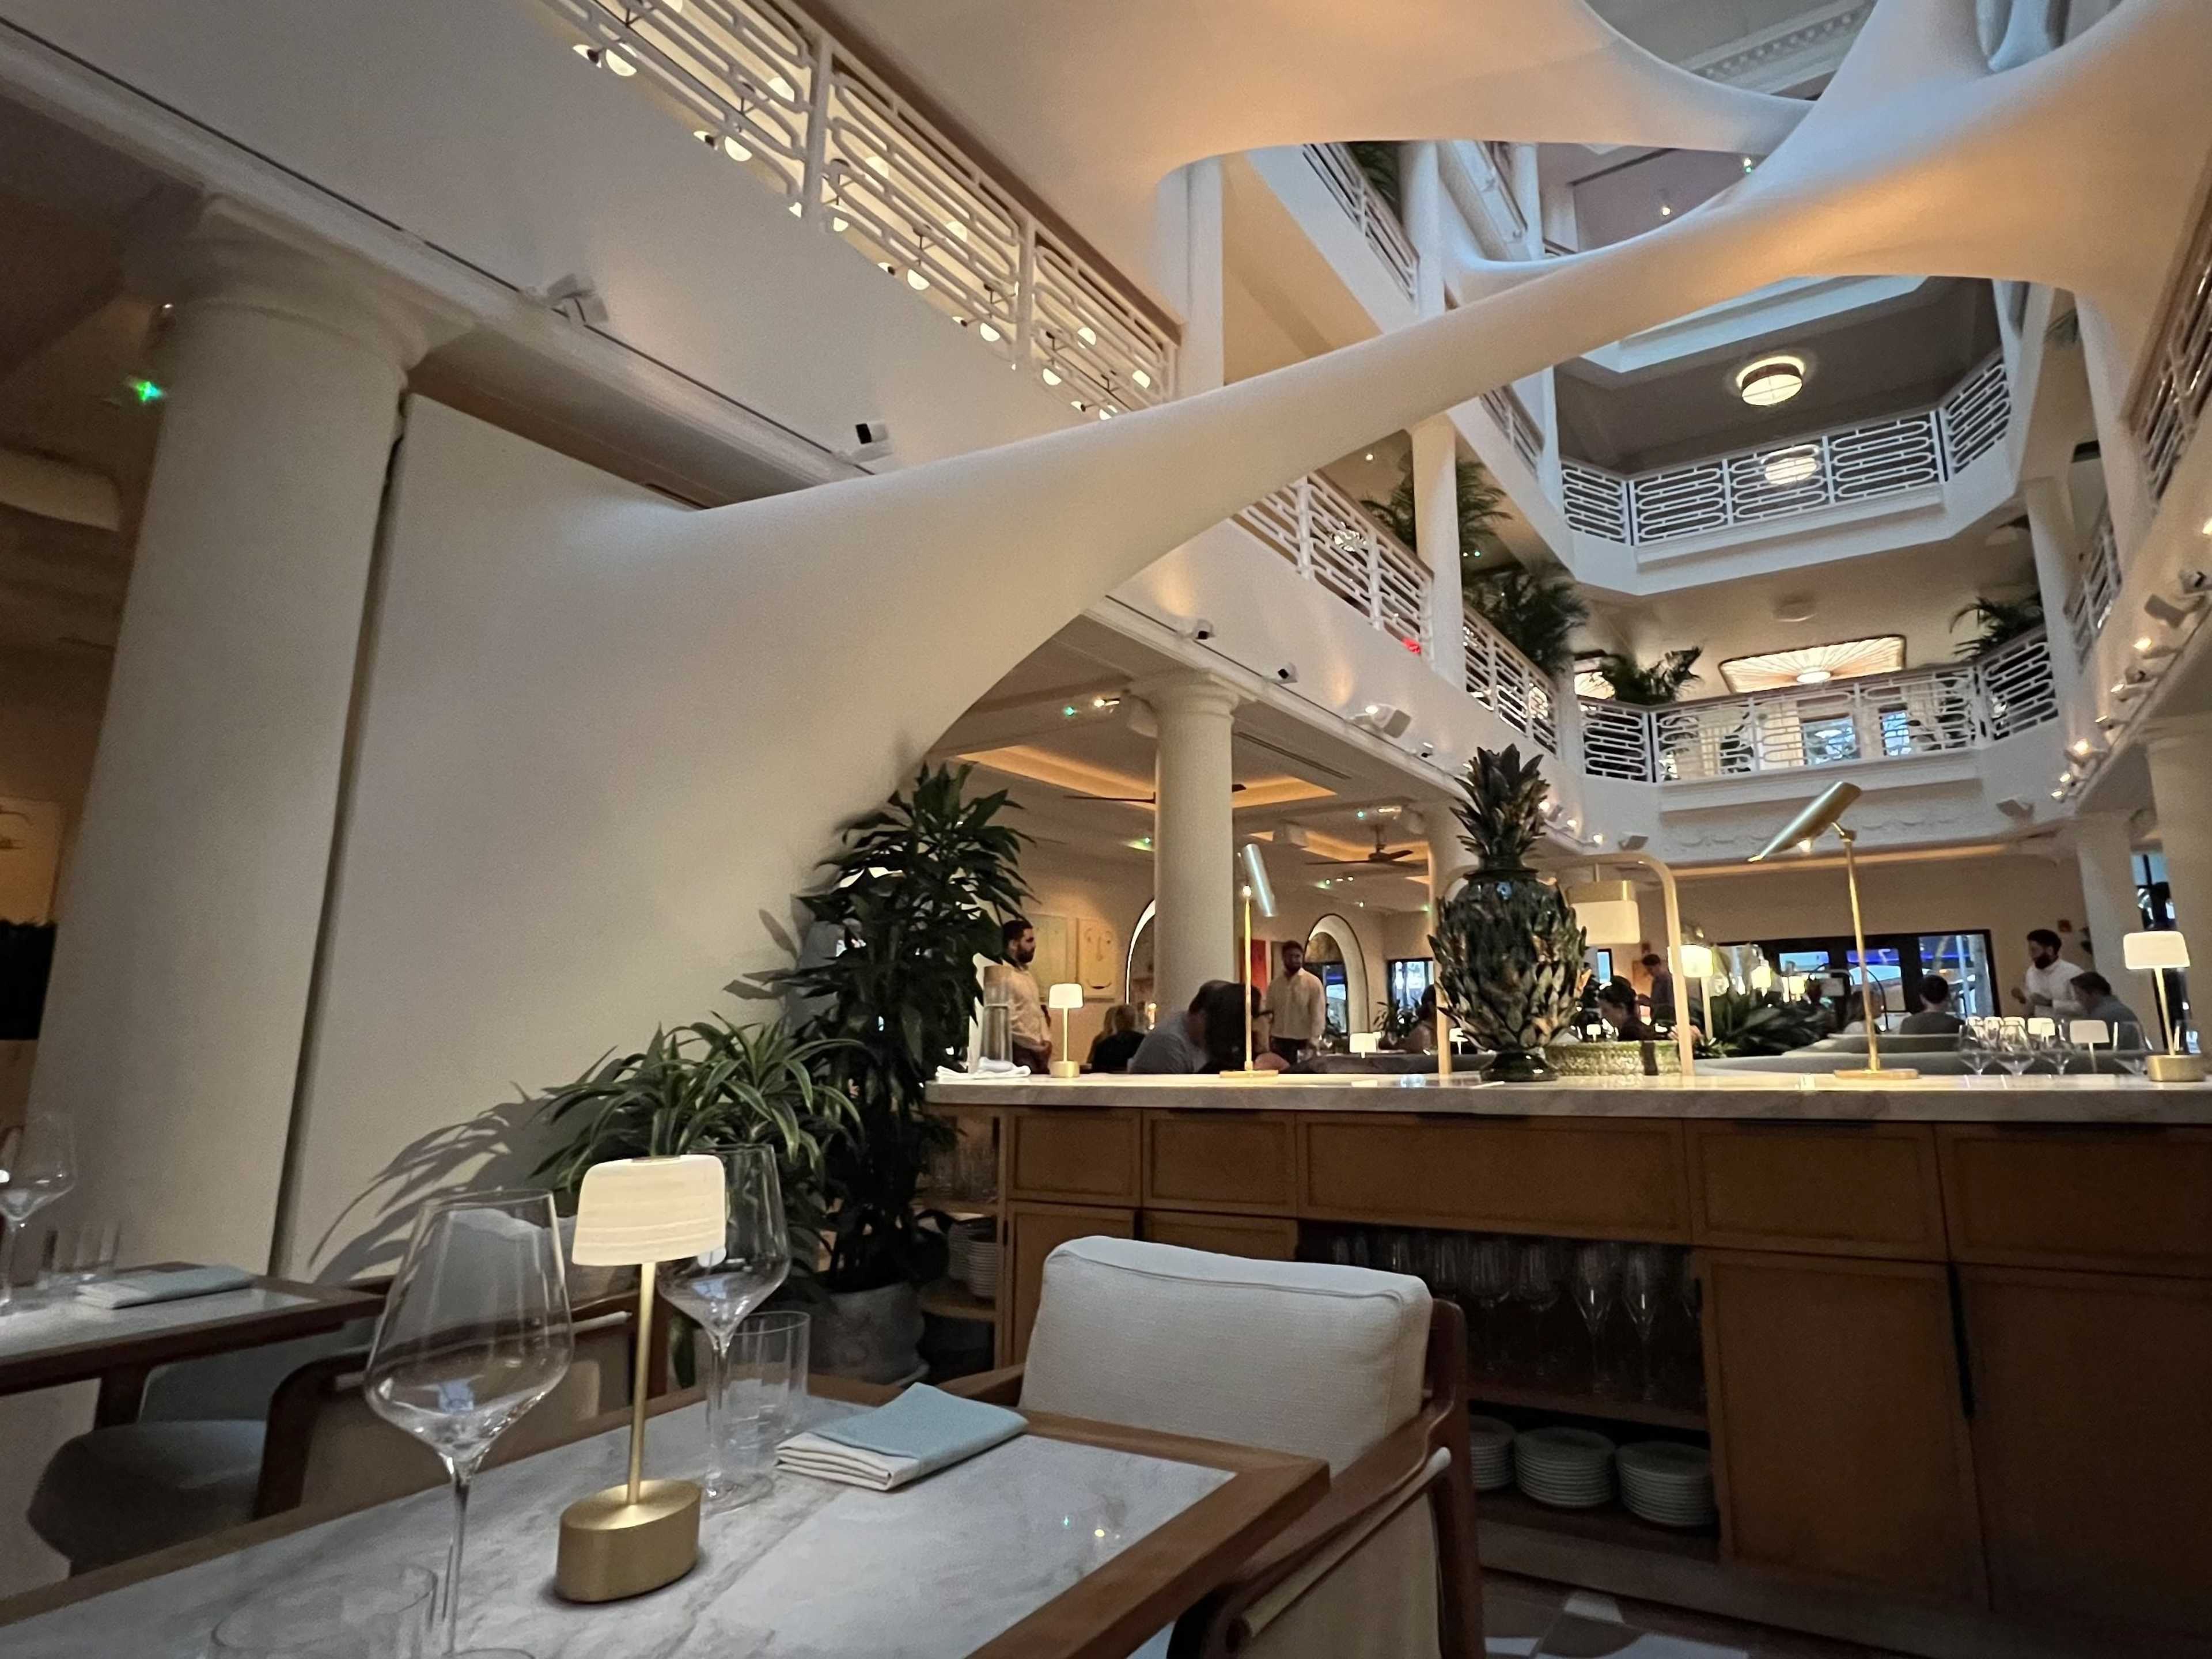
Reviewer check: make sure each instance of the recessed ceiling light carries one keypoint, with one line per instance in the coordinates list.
(1770, 380)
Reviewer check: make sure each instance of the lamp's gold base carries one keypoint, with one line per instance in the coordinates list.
(1868, 1074)
(612, 1547)
(1253, 1074)
(1067, 1068)
(2177, 1068)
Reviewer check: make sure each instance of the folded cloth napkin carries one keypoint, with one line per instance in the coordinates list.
(921, 1432)
(161, 1285)
(984, 1069)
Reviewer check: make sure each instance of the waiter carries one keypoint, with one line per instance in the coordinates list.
(1032, 1035)
(1295, 1007)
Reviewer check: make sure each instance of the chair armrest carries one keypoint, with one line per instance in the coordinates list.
(291, 1426)
(999, 1388)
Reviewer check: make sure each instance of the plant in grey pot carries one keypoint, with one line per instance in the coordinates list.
(1509, 950)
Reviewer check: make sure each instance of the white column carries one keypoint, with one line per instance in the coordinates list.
(1194, 838)
(1200, 361)
(1436, 528)
(1528, 191)
(1421, 197)
(174, 1021)
(2181, 785)
(2105, 850)
(1449, 859)
(2051, 531)
(2105, 358)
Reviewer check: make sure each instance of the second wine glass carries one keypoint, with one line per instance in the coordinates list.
(720, 1288)
(38, 1164)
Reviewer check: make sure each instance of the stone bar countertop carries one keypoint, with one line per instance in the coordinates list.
(1817, 1098)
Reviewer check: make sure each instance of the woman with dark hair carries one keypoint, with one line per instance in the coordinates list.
(1120, 1039)
(1617, 1004)
(1208, 1037)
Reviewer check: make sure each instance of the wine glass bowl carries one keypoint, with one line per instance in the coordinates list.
(38, 1164)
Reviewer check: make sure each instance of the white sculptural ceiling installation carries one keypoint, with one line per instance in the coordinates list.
(2079, 169)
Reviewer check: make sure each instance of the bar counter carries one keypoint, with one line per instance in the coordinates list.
(1947, 1338)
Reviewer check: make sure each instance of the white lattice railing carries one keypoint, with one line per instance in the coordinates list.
(1514, 419)
(1334, 544)
(1502, 680)
(2169, 403)
(1799, 475)
(1878, 717)
(768, 89)
(2096, 586)
(1376, 220)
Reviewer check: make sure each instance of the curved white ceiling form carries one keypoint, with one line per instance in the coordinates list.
(1093, 102)
(858, 620)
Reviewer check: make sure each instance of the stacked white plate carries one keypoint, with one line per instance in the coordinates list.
(1668, 1483)
(983, 1273)
(958, 1242)
(1567, 1468)
(1490, 1447)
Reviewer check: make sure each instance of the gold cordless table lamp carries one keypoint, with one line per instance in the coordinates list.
(1820, 816)
(2154, 954)
(636, 1212)
(1063, 999)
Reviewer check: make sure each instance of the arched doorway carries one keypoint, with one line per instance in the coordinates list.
(1334, 952)
(1137, 976)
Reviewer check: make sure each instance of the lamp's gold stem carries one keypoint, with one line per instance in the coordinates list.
(1444, 1034)
(1247, 977)
(2165, 1016)
(1858, 936)
(637, 1390)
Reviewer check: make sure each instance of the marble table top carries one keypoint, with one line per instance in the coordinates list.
(1816, 1096)
(814, 1571)
(33, 1326)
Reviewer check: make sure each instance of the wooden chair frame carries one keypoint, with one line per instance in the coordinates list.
(1390, 1474)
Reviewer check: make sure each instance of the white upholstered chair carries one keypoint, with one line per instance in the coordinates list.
(1359, 1368)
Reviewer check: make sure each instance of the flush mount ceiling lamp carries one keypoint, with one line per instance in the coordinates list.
(1767, 381)
(1787, 467)
(1815, 665)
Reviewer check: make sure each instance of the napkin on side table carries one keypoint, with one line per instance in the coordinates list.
(161, 1285)
(921, 1432)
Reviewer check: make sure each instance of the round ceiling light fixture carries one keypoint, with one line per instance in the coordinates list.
(1787, 467)
(1816, 676)
(1770, 380)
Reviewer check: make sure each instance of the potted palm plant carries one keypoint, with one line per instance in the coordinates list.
(1650, 685)
(1509, 950)
(915, 894)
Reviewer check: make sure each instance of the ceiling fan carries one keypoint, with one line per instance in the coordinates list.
(1388, 860)
(1144, 800)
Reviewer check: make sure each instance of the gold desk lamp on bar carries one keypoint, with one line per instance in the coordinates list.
(1820, 816)
(2155, 953)
(1257, 887)
(637, 1213)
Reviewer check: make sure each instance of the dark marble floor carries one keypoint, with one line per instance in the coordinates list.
(1528, 1618)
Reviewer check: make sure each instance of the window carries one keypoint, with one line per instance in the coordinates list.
(1826, 741)
(1410, 978)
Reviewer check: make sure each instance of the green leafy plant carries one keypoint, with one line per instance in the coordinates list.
(1653, 685)
(2000, 622)
(1537, 610)
(1378, 159)
(1757, 1022)
(1482, 507)
(1394, 1023)
(911, 898)
(707, 1085)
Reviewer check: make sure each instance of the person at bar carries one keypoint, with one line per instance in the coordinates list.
(2048, 987)
(1117, 1041)
(1032, 1033)
(1421, 1036)
(1207, 1036)
(1616, 1004)
(1297, 1007)
(1935, 1017)
(2098, 1001)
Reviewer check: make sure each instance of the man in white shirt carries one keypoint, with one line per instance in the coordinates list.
(1032, 1035)
(2049, 992)
(1296, 1006)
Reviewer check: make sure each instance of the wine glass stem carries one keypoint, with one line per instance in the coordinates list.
(718, 1406)
(461, 1473)
(9, 1229)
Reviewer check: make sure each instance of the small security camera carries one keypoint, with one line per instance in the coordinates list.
(1428, 751)
(1201, 628)
(573, 297)
(1288, 673)
(874, 440)
(1634, 842)
(2197, 581)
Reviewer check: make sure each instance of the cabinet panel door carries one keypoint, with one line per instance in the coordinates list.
(1083, 1156)
(2122, 1201)
(1840, 1441)
(2094, 1443)
(1259, 1236)
(1036, 1232)
(1220, 1161)
(1867, 1189)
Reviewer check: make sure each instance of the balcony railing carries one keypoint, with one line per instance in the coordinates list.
(1800, 475)
(1504, 681)
(1376, 220)
(1499, 155)
(1513, 417)
(768, 89)
(1924, 711)
(1336, 545)
(2169, 404)
(2096, 586)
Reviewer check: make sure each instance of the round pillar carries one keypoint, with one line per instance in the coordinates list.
(2105, 848)
(1449, 859)
(178, 1002)
(1194, 838)
(2057, 544)
(1436, 525)
(2180, 755)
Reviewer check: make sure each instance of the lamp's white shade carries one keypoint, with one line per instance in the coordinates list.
(2164, 949)
(1762, 976)
(1694, 961)
(1064, 997)
(1608, 913)
(635, 1210)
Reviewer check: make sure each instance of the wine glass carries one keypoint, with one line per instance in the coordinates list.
(1977, 1045)
(720, 1288)
(38, 1164)
(1593, 1299)
(475, 1332)
(2015, 1048)
(1541, 1279)
(1643, 1288)
(1490, 1281)
(2131, 1049)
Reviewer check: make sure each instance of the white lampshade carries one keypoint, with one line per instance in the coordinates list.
(2088, 1032)
(1066, 997)
(1762, 976)
(1608, 913)
(635, 1210)
(1694, 961)
(2164, 949)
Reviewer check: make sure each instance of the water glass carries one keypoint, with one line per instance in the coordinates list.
(79, 1254)
(382, 1616)
(764, 1380)
(476, 1330)
(38, 1164)
(722, 1287)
